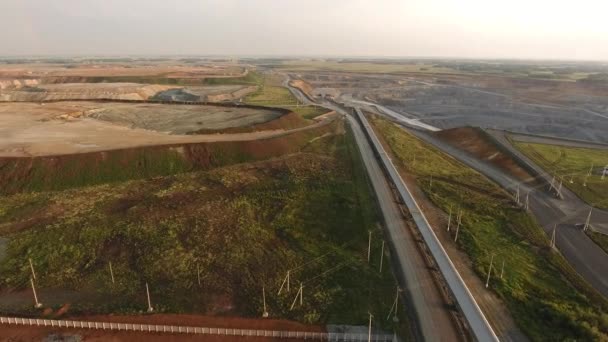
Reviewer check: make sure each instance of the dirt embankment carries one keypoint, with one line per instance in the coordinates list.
(478, 143)
(72, 170)
(80, 91)
(304, 86)
(286, 121)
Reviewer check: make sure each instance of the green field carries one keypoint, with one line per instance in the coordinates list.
(573, 164)
(273, 95)
(547, 299)
(242, 226)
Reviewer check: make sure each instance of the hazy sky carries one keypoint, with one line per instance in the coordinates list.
(555, 29)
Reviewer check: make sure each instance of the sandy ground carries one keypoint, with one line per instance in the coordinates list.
(28, 129)
(83, 91)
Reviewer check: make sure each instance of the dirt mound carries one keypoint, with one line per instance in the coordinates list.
(476, 141)
(304, 86)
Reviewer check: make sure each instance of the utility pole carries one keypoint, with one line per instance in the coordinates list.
(382, 256)
(150, 308)
(369, 330)
(553, 237)
(37, 304)
(588, 220)
(458, 227)
(450, 218)
(369, 246)
(111, 272)
(394, 307)
(198, 274)
(32, 268)
(502, 269)
(286, 280)
(559, 190)
(551, 187)
(590, 170)
(528, 201)
(298, 295)
(517, 196)
(265, 313)
(489, 271)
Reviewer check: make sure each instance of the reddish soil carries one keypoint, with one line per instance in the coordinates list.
(475, 141)
(24, 333)
(304, 86)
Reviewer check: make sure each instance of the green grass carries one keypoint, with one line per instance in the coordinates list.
(599, 238)
(243, 225)
(278, 96)
(573, 164)
(548, 301)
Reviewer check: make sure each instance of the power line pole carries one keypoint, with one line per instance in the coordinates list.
(111, 272)
(588, 220)
(298, 295)
(551, 187)
(150, 308)
(553, 237)
(37, 303)
(489, 271)
(286, 280)
(265, 313)
(382, 256)
(394, 307)
(369, 330)
(528, 201)
(369, 246)
(198, 274)
(450, 218)
(517, 196)
(32, 268)
(502, 269)
(458, 227)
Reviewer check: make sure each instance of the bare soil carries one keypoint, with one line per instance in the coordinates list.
(474, 141)
(29, 129)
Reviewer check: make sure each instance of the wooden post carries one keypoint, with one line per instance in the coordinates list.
(111, 272)
(489, 271)
(32, 268)
(381, 256)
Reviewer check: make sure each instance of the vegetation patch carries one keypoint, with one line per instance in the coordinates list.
(272, 94)
(580, 169)
(547, 299)
(208, 242)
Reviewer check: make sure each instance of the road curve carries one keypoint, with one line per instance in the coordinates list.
(479, 325)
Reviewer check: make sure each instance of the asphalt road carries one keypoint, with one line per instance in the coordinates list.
(587, 258)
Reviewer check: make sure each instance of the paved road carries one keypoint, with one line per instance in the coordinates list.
(588, 259)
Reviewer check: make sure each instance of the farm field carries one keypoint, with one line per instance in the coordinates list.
(207, 242)
(547, 299)
(579, 168)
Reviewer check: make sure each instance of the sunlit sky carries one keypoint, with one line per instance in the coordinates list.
(539, 29)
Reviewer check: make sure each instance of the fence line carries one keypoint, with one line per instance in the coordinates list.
(306, 335)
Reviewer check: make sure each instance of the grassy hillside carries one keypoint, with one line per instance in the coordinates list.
(573, 164)
(547, 299)
(272, 94)
(242, 226)
(75, 170)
